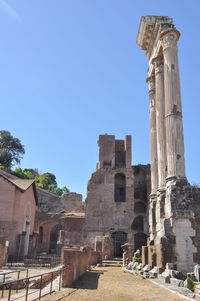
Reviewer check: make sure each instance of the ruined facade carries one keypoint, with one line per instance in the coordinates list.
(111, 208)
(60, 221)
(174, 205)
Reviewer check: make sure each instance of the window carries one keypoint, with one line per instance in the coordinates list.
(40, 235)
(120, 188)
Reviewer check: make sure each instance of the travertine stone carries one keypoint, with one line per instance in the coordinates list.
(160, 121)
(173, 108)
(153, 134)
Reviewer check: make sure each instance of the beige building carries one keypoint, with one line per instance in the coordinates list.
(111, 208)
(18, 201)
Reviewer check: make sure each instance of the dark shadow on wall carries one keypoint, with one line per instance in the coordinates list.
(88, 281)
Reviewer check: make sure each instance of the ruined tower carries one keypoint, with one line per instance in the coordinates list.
(172, 215)
(111, 209)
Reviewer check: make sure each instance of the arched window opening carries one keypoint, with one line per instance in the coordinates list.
(140, 207)
(54, 238)
(140, 239)
(138, 224)
(120, 187)
(40, 235)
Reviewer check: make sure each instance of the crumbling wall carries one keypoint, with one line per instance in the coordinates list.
(78, 261)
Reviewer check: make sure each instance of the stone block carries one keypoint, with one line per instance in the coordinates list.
(155, 272)
(197, 289)
(177, 282)
(164, 279)
(139, 266)
(197, 272)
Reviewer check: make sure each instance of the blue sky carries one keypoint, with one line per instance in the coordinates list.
(71, 70)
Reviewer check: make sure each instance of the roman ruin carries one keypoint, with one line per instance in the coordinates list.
(174, 204)
(117, 197)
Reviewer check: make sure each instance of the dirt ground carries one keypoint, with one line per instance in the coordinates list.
(110, 283)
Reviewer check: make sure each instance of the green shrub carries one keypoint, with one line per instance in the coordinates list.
(137, 259)
(190, 284)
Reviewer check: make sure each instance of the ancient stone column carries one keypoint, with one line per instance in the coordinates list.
(153, 135)
(173, 108)
(160, 121)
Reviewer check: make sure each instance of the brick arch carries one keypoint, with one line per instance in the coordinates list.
(47, 226)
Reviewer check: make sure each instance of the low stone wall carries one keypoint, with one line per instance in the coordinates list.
(78, 262)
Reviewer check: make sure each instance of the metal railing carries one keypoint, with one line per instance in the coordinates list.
(40, 284)
(12, 272)
(39, 261)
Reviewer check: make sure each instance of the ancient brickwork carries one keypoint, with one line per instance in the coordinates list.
(110, 205)
(60, 221)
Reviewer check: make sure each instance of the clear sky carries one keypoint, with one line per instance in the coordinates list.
(71, 70)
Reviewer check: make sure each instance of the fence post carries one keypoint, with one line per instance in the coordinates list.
(27, 286)
(17, 281)
(4, 278)
(9, 294)
(60, 279)
(51, 282)
(40, 287)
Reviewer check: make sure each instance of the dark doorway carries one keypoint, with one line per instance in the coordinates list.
(54, 238)
(140, 240)
(119, 238)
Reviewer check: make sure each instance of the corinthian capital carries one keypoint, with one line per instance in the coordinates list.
(151, 84)
(158, 64)
(169, 38)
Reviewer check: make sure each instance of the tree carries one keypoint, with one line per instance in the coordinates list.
(46, 180)
(65, 190)
(11, 150)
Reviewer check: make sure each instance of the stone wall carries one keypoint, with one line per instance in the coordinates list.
(78, 261)
(111, 208)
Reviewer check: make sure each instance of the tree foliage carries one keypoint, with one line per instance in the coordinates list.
(11, 150)
(46, 180)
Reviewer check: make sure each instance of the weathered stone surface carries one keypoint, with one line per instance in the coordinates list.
(177, 282)
(171, 266)
(116, 202)
(174, 213)
(153, 273)
(197, 272)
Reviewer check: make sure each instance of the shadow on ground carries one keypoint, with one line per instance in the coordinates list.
(89, 280)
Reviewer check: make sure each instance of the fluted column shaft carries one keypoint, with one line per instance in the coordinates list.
(173, 108)
(160, 121)
(153, 138)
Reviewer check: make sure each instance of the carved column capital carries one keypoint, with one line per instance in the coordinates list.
(158, 64)
(151, 84)
(169, 38)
